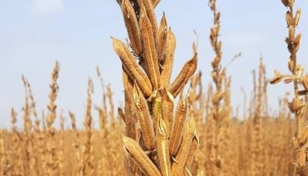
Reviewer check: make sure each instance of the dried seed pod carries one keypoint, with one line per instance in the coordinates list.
(278, 77)
(130, 119)
(193, 148)
(302, 138)
(218, 96)
(183, 77)
(214, 76)
(155, 2)
(178, 126)
(149, 9)
(297, 17)
(162, 38)
(218, 47)
(132, 26)
(289, 19)
(217, 16)
(296, 105)
(297, 42)
(150, 51)
(296, 47)
(301, 157)
(131, 67)
(167, 62)
(291, 34)
(167, 109)
(297, 38)
(216, 62)
(145, 119)
(139, 157)
(163, 148)
(178, 167)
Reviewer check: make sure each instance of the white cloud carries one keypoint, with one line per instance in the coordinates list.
(47, 7)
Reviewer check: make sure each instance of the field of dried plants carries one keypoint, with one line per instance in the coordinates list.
(164, 128)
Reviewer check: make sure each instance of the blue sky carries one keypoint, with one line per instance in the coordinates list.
(36, 33)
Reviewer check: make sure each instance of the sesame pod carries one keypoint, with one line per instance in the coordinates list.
(296, 105)
(297, 17)
(291, 34)
(289, 19)
(132, 26)
(148, 8)
(217, 97)
(297, 42)
(187, 71)
(150, 51)
(302, 138)
(162, 38)
(134, 151)
(301, 157)
(193, 148)
(131, 67)
(167, 109)
(155, 2)
(163, 148)
(145, 119)
(178, 167)
(178, 126)
(167, 62)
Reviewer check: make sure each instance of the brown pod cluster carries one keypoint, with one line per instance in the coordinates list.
(156, 139)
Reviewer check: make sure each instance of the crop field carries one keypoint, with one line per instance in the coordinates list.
(167, 126)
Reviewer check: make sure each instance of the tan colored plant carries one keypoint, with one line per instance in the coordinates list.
(51, 158)
(87, 149)
(219, 115)
(297, 77)
(16, 158)
(152, 93)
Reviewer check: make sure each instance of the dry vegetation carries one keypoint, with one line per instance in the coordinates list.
(162, 129)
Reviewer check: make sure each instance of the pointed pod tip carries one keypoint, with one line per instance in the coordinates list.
(125, 138)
